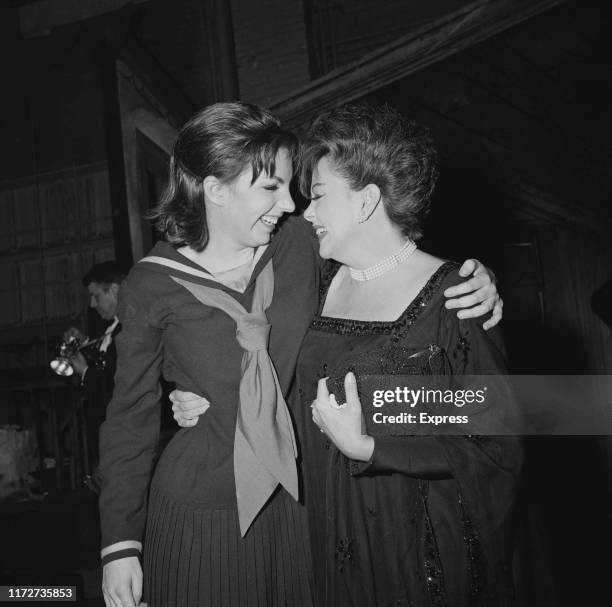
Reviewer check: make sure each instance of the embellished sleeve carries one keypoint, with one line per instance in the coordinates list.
(486, 467)
(470, 350)
(130, 433)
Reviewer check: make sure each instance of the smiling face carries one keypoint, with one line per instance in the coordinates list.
(333, 211)
(251, 211)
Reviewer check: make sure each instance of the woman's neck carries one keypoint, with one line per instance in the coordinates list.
(219, 255)
(374, 245)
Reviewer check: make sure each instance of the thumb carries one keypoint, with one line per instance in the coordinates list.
(350, 389)
(322, 391)
(468, 267)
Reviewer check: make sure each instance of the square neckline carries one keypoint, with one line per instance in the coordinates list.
(412, 311)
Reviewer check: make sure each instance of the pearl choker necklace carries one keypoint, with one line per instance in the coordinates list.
(386, 265)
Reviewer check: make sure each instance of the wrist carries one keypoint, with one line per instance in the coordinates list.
(120, 554)
(364, 449)
(121, 546)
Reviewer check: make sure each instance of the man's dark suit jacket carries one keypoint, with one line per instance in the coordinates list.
(98, 385)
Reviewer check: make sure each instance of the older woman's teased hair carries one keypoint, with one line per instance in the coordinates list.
(376, 144)
(222, 140)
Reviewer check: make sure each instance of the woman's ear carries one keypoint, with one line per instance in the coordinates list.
(214, 190)
(371, 196)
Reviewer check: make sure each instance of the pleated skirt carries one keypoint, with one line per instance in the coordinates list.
(195, 557)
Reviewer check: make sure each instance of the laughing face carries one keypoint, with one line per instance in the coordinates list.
(253, 210)
(333, 211)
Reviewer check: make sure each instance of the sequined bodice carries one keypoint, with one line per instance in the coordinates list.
(378, 347)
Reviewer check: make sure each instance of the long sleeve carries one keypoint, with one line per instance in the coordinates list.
(130, 433)
(420, 456)
(470, 350)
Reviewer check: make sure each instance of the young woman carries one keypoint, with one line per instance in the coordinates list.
(221, 309)
(229, 186)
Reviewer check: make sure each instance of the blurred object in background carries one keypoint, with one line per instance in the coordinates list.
(18, 457)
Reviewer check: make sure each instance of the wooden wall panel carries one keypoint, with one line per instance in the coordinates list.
(271, 49)
(342, 31)
(41, 269)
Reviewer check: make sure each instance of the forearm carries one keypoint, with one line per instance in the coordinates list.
(418, 456)
(127, 444)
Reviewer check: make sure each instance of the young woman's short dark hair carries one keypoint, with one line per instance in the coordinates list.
(376, 144)
(222, 140)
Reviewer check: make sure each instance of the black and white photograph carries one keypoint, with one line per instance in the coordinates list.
(306, 303)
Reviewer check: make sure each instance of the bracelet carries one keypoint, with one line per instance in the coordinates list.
(119, 554)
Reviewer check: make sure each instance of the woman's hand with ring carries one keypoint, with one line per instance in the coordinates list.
(342, 422)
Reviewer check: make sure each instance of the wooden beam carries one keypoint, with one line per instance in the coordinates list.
(444, 37)
(559, 211)
(40, 18)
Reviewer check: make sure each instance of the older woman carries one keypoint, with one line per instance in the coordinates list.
(394, 519)
(221, 308)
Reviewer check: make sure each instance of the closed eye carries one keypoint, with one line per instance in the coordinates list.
(271, 188)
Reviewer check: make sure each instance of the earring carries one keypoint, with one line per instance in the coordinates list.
(364, 217)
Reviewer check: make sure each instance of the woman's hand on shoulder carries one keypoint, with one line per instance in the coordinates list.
(342, 423)
(476, 296)
(187, 407)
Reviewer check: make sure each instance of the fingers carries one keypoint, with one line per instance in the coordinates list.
(483, 308)
(187, 407)
(185, 422)
(122, 582)
(322, 391)
(316, 416)
(129, 593)
(120, 597)
(475, 294)
(187, 398)
(188, 420)
(111, 599)
(350, 388)
(468, 267)
(189, 412)
(497, 314)
(137, 587)
(108, 600)
(467, 286)
(124, 596)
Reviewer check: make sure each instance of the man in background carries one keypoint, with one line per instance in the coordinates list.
(97, 370)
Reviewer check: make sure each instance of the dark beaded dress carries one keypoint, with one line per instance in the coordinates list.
(427, 520)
